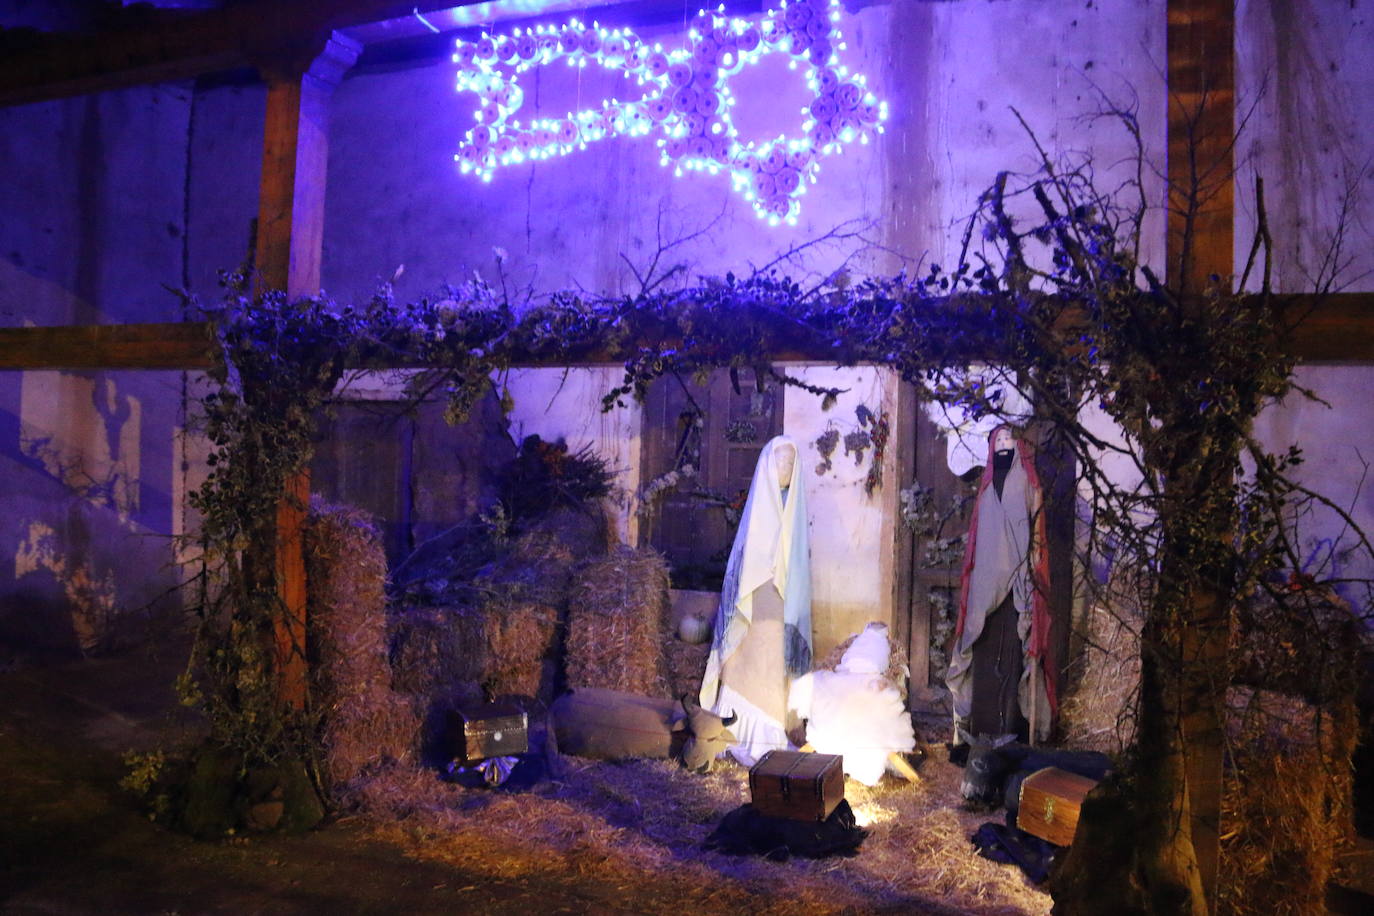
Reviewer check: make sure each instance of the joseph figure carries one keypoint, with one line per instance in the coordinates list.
(999, 672)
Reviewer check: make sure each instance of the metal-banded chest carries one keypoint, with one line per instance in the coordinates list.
(1050, 802)
(804, 787)
(490, 730)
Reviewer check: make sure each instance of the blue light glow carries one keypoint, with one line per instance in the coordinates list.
(686, 101)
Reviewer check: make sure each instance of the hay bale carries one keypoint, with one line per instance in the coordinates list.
(1097, 712)
(1286, 807)
(520, 650)
(685, 664)
(617, 618)
(436, 649)
(363, 722)
(464, 653)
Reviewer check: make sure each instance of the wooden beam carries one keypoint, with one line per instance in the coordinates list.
(1201, 139)
(1337, 328)
(110, 346)
(1200, 43)
(290, 240)
(295, 154)
(177, 47)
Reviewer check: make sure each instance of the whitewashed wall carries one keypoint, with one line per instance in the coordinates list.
(853, 538)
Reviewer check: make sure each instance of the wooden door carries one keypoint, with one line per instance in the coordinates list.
(938, 514)
(719, 432)
(362, 459)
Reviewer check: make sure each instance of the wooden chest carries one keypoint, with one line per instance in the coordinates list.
(1050, 801)
(804, 787)
(489, 730)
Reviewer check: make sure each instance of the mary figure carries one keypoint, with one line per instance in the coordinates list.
(763, 623)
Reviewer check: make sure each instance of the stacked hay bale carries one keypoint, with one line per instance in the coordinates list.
(618, 623)
(1286, 805)
(1292, 726)
(439, 651)
(1097, 714)
(495, 632)
(686, 664)
(364, 723)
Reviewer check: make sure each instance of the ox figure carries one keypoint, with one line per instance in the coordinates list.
(611, 725)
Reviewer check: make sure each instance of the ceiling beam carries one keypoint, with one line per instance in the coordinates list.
(184, 46)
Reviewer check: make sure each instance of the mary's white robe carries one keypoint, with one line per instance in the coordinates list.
(763, 622)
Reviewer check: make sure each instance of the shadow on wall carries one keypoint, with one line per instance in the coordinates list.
(78, 573)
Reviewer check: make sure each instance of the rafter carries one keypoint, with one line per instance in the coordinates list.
(185, 46)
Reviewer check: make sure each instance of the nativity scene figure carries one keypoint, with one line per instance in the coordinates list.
(1000, 677)
(762, 625)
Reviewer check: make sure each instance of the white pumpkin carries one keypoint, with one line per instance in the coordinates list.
(693, 629)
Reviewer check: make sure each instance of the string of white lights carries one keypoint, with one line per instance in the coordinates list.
(687, 100)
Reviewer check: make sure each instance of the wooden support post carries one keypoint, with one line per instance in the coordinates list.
(295, 154)
(289, 246)
(288, 631)
(1201, 142)
(906, 631)
(1058, 471)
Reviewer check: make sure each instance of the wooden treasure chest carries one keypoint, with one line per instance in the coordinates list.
(489, 730)
(804, 787)
(1050, 800)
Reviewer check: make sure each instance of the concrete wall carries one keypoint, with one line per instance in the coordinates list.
(94, 221)
(953, 72)
(1303, 73)
(105, 199)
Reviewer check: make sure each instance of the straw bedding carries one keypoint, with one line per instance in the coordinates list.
(637, 827)
(617, 621)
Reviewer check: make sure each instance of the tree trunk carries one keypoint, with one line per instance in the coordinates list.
(1148, 843)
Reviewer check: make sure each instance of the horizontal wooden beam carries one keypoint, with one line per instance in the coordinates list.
(184, 45)
(1335, 328)
(497, 14)
(187, 345)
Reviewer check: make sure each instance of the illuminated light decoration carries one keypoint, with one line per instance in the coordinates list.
(686, 100)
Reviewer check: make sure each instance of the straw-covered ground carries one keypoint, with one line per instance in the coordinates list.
(638, 825)
(624, 824)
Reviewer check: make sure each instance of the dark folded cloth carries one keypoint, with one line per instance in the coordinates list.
(1001, 843)
(746, 832)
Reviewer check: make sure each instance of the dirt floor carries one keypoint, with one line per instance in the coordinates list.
(604, 838)
(72, 841)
